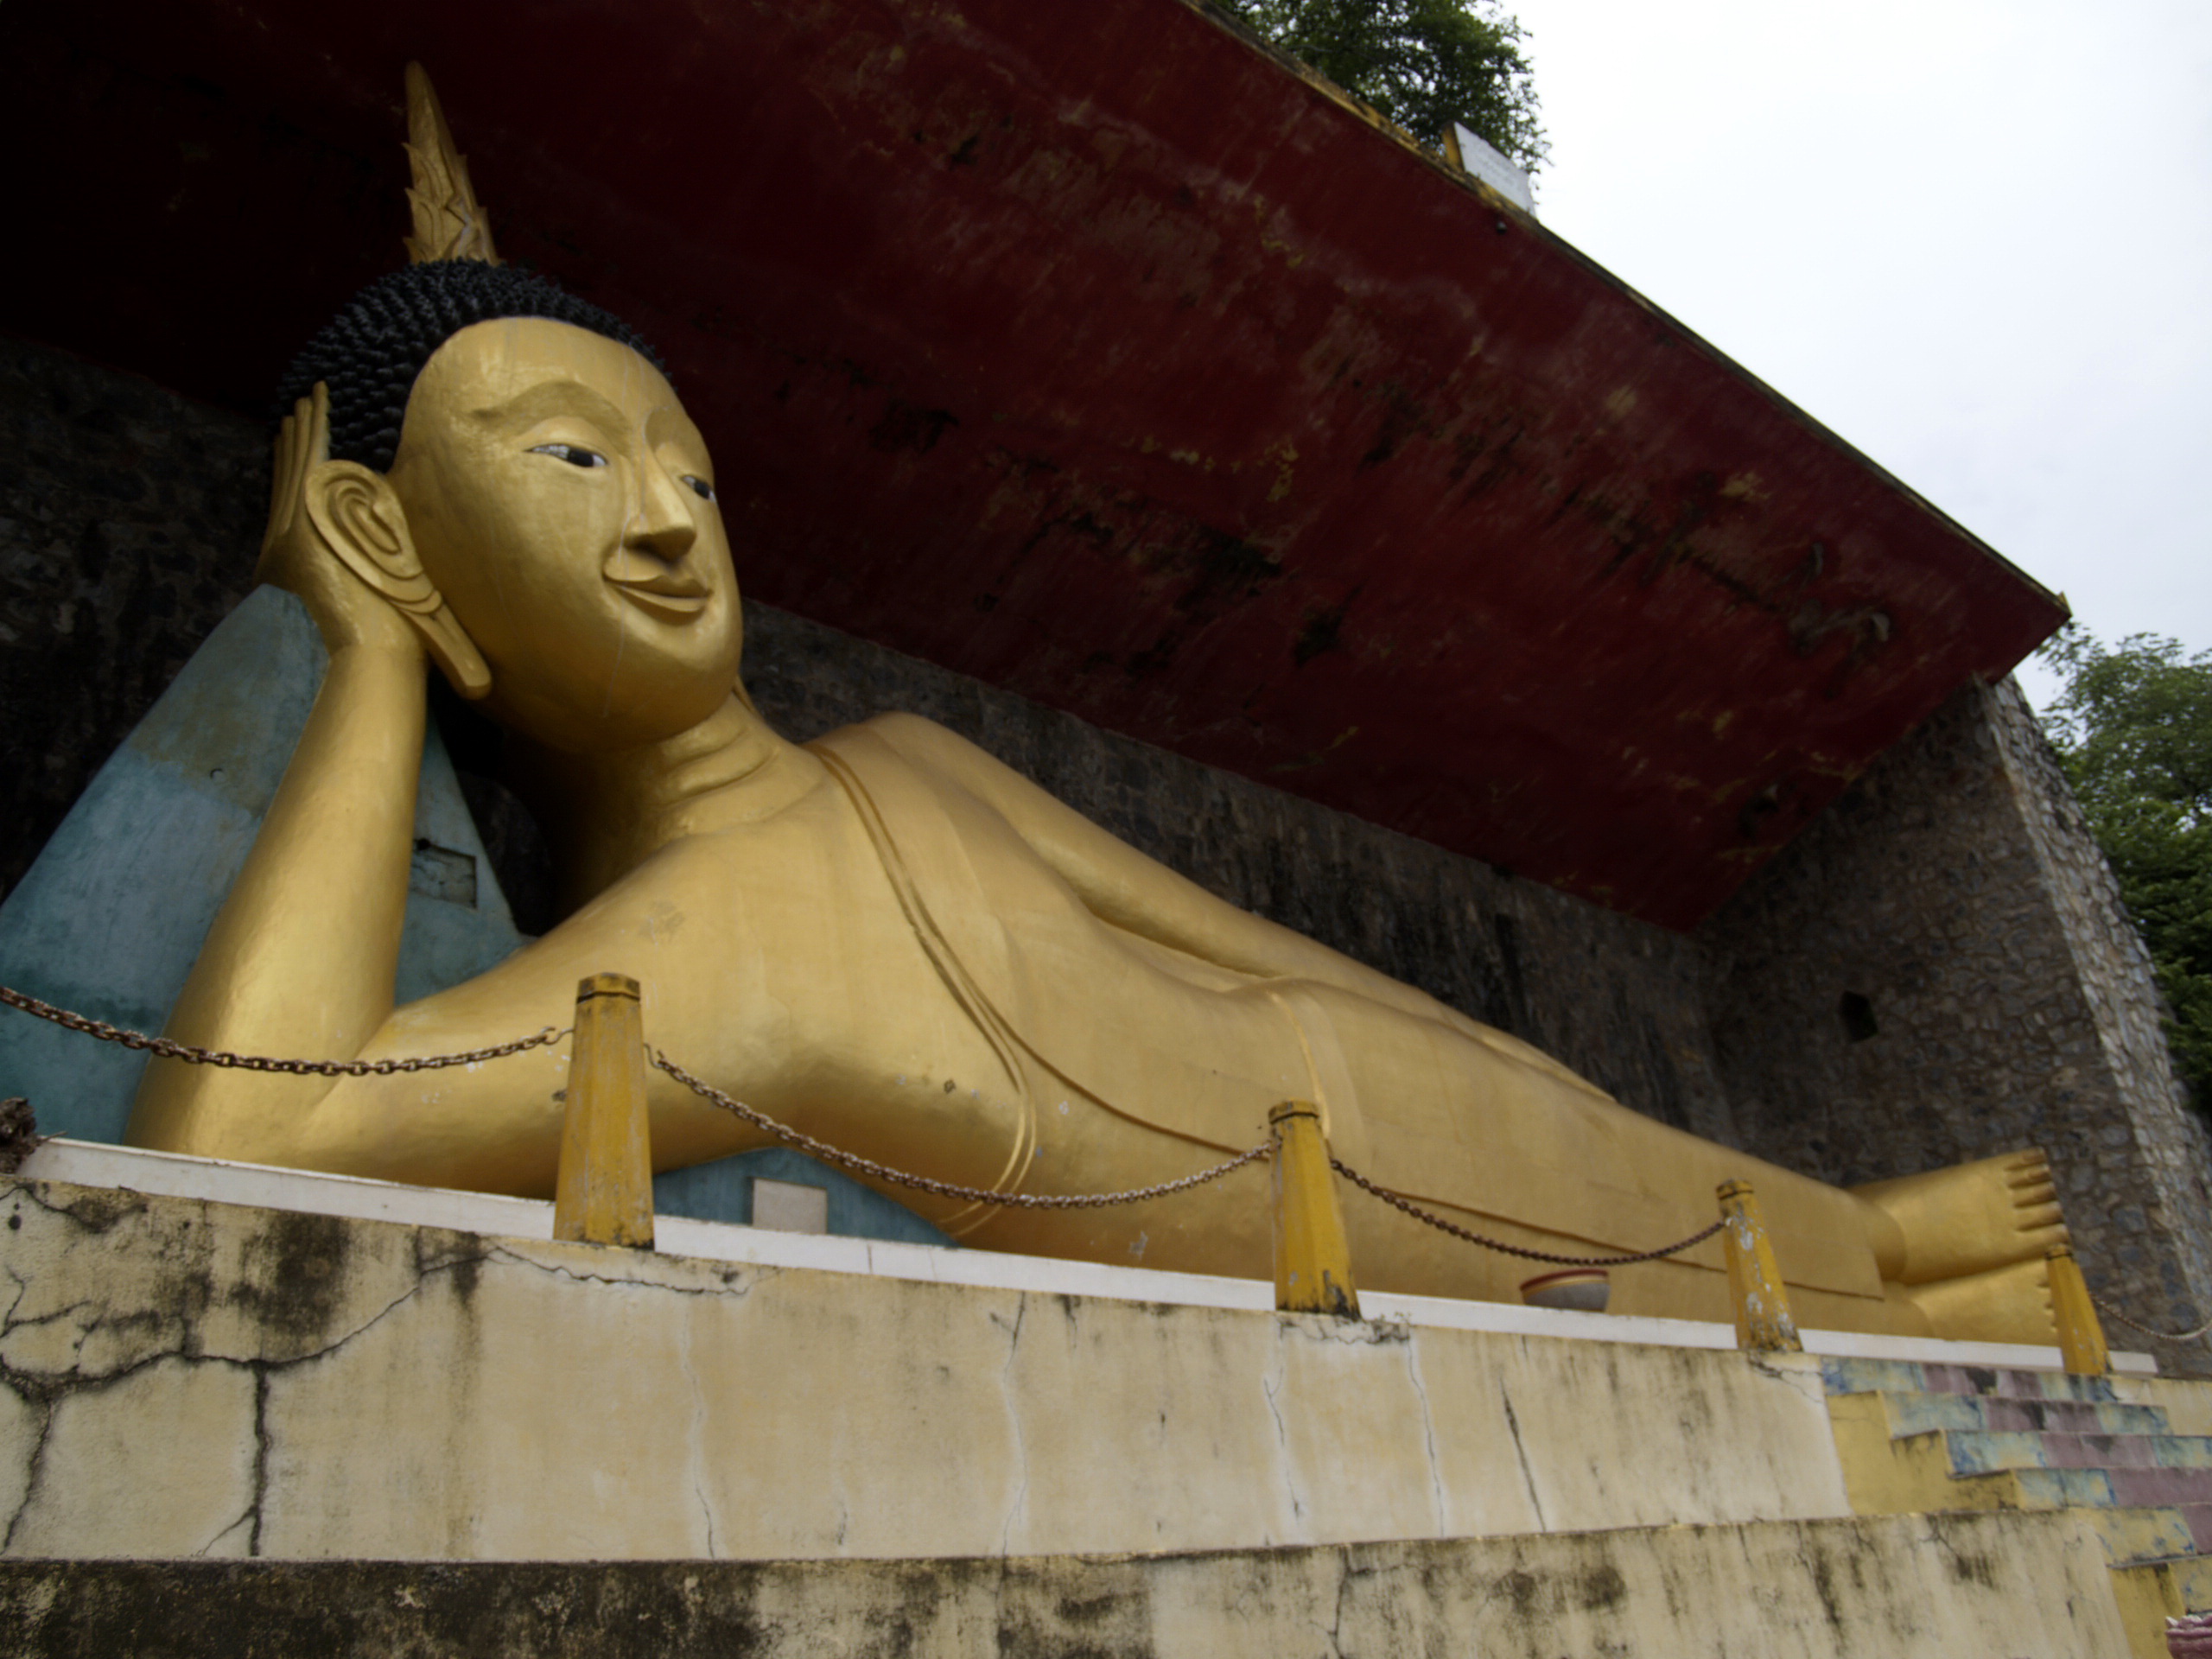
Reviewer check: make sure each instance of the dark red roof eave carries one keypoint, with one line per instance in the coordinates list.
(1091, 351)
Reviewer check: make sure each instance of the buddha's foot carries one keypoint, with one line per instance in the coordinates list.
(1977, 1229)
(2006, 1304)
(1968, 1219)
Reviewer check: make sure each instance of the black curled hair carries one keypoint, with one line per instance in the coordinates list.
(370, 353)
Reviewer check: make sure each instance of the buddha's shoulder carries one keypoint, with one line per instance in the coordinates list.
(911, 777)
(916, 737)
(913, 745)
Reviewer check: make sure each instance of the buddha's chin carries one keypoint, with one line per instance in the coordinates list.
(635, 704)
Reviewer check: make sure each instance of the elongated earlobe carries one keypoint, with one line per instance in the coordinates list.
(363, 523)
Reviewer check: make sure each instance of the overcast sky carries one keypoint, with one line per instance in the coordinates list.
(1972, 236)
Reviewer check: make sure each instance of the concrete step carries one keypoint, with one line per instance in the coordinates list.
(1843, 1375)
(2199, 1517)
(2132, 1536)
(1917, 1487)
(2018, 1385)
(1925, 1413)
(2056, 1489)
(2151, 1593)
(1979, 1451)
(1912, 1474)
(2161, 1488)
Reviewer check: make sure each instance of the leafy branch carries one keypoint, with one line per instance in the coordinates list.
(1420, 63)
(2133, 732)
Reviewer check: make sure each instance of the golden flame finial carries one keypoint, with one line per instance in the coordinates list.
(449, 222)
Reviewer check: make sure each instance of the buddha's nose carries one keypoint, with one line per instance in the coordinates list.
(663, 524)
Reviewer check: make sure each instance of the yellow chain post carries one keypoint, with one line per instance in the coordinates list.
(1763, 1321)
(604, 1194)
(2080, 1335)
(1312, 1261)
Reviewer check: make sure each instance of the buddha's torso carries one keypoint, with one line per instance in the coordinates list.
(781, 961)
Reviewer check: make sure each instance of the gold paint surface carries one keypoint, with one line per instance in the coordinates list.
(1764, 1322)
(449, 222)
(1312, 1259)
(1968, 1219)
(887, 939)
(604, 1192)
(2080, 1334)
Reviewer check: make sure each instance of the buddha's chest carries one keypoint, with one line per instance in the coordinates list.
(781, 951)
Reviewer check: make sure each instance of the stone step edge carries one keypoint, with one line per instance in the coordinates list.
(2164, 1430)
(1962, 1444)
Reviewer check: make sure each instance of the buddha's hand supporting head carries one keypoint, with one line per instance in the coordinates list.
(522, 497)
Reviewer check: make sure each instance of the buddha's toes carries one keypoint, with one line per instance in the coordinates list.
(1970, 1218)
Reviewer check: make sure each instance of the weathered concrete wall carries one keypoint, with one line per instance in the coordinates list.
(1939, 969)
(185, 1378)
(1985, 1586)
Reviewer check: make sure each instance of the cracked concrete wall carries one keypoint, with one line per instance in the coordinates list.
(1951, 1586)
(182, 1378)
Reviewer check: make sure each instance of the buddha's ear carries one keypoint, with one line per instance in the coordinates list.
(361, 519)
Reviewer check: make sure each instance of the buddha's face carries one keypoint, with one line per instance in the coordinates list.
(564, 504)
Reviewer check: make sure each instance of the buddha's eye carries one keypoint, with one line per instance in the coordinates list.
(701, 488)
(574, 454)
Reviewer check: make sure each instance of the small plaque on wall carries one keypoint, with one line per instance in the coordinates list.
(790, 1207)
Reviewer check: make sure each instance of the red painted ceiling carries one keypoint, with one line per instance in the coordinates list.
(1088, 349)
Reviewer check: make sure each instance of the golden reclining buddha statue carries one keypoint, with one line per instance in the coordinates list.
(886, 938)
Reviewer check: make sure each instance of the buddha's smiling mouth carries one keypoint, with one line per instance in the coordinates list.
(672, 595)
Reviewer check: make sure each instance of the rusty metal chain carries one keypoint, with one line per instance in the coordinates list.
(2111, 1312)
(1498, 1244)
(854, 1161)
(174, 1051)
(168, 1048)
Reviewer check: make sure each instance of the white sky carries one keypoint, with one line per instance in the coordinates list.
(1972, 236)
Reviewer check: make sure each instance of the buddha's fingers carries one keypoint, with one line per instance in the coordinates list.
(302, 442)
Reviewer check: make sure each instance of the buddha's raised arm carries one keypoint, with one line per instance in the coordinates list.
(300, 961)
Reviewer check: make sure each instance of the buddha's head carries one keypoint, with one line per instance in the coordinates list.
(511, 465)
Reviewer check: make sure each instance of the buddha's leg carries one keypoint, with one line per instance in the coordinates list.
(1506, 1143)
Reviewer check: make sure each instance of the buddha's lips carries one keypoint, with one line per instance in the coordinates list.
(673, 599)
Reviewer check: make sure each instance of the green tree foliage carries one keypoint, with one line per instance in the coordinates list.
(2133, 730)
(1422, 63)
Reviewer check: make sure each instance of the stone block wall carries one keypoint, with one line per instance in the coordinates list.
(129, 521)
(1939, 969)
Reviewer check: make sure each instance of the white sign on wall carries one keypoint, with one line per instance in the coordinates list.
(1477, 156)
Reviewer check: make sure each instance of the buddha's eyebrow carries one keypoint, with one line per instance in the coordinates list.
(558, 395)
